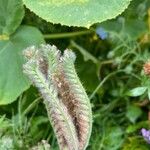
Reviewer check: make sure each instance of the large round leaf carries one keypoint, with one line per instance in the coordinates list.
(11, 14)
(12, 80)
(77, 12)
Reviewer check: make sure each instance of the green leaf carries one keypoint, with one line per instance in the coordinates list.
(137, 91)
(133, 113)
(149, 93)
(11, 14)
(113, 138)
(12, 80)
(77, 12)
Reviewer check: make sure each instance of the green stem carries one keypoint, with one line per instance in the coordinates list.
(67, 34)
(85, 53)
(106, 78)
(103, 81)
(31, 106)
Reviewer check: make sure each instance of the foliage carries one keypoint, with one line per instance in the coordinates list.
(12, 12)
(11, 57)
(77, 12)
(109, 62)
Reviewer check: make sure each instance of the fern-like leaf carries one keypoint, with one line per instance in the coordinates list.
(83, 113)
(66, 101)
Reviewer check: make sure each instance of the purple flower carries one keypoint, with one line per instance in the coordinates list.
(102, 33)
(146, 135)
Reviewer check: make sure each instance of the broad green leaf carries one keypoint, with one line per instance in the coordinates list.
(133, 113)
(77, 12)
(11, 14)
(137, 91)
(12, 80)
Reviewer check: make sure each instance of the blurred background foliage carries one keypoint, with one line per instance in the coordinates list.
(110, 58)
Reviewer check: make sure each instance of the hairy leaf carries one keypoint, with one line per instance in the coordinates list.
(67, 103)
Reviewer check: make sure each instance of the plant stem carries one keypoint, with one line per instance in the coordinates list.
(103, 81)
(85, 53)
(31, 106)
(67, 34)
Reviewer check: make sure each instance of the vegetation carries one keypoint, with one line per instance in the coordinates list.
(112, 62)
